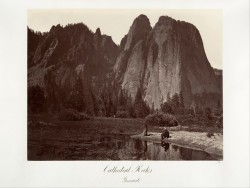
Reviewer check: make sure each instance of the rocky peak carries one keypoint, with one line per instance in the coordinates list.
(97, 38)
(98, 32)
(168, 59)
(165, 20)
(55, 28)
(139, 30)
(142, 17)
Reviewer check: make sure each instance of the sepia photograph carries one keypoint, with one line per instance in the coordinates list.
(123, 93)
(142, 86)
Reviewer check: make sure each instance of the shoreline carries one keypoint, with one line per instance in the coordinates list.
(191, 140)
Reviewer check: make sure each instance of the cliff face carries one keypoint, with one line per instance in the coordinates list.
(137, 32)
(71, 52)
(160, 61)
(67, 56)
(165, 60)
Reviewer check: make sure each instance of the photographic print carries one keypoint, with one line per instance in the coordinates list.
(124, 85)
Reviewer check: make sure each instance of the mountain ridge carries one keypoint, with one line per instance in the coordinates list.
(159, 61)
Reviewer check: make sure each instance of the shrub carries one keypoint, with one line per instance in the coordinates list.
(219, 122)
(122, 114)
(72, 115)
(161, 119)
(84, 116)
(209, 134)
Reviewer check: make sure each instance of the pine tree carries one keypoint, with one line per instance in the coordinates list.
(140, 107)
(175, 101)
(115, 98)
(77, 97)
(106, 100)
(181, 100)
(166, 108)
(122, 98)
(52, 96)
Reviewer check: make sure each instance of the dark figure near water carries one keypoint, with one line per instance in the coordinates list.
(165, 145)
(165, 133)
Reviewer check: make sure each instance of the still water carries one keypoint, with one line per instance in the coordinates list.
(114, 147)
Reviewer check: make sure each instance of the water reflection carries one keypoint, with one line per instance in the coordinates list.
(116, 147)
(165, 145)
(143, 150)
(124, 148)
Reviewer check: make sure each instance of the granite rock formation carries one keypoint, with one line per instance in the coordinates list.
(167, 59)
(160, 61)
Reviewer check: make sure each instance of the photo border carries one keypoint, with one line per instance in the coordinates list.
(233, 171)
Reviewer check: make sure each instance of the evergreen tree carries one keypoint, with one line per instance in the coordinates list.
(95, 104)
(122, 98)
(140, 107)
(106, 100)
(115, 98)
(76, 99)
(181, 100)
(208, 113)
(166, 108)
(175, 101)
(52, 95)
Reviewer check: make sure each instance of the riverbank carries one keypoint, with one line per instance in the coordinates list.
(193, 140)
(51, 139)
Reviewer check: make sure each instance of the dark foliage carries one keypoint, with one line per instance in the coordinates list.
(161, 119)
(122, 114)
(76, 99)
(72, 115)
(166, 108)
(209, 134)
(53, 97)
(140, 107)
(207, 99)
(36, 99)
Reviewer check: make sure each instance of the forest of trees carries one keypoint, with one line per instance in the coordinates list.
(111, 101)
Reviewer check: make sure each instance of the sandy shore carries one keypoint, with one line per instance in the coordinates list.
(193, 140)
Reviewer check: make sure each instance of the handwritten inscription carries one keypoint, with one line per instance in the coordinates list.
(128, 170)
(122, 169)
(127, 180)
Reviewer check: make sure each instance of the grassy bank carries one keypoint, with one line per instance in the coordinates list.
(106, 125)
(94, 125)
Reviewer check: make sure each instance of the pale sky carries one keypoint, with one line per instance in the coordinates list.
(116, 23)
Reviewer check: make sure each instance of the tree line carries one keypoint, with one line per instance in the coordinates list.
(109, 101)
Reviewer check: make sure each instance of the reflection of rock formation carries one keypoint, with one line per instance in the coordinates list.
(132, 149)
(123, 148)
